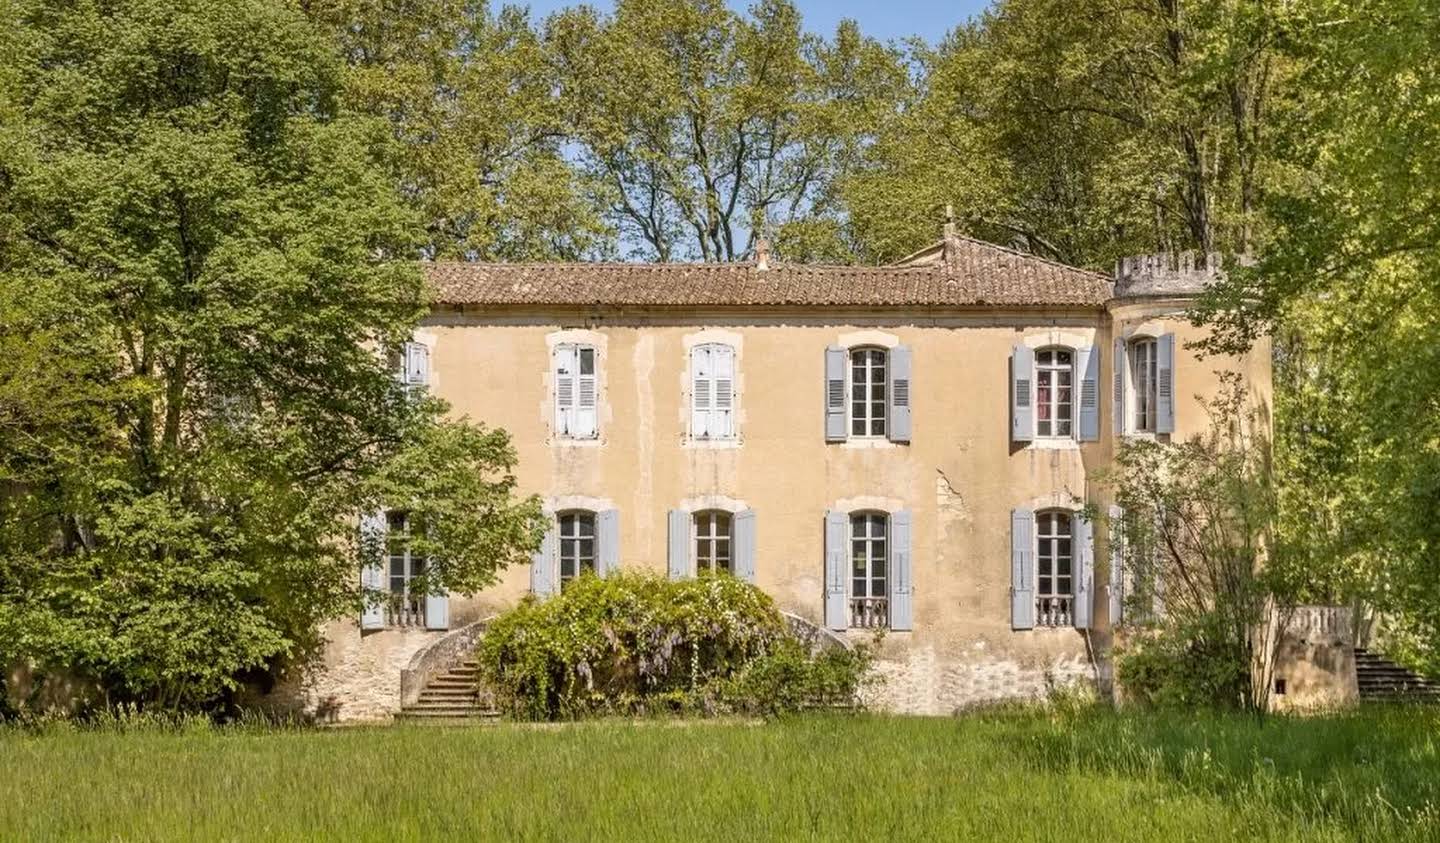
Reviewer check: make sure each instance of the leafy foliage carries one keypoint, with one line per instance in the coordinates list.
(637, 642)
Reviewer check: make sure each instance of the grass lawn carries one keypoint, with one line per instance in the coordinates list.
(1013, 777)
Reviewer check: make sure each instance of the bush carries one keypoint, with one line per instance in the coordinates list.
(638, 643)
(1181, 667)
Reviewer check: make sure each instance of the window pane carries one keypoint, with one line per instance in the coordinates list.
(587, 361)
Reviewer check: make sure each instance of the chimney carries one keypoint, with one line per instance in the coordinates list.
(762, 254)
(950, 241)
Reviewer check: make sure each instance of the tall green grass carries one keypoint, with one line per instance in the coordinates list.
(1069, 776)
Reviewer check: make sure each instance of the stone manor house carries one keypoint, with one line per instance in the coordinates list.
(908, 447)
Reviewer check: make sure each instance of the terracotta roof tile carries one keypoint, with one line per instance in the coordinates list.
(979, 274)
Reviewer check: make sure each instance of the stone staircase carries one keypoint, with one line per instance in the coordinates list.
(1381, 680)
(452, 697)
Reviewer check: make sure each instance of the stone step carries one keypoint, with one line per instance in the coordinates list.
(448, 682)
(454, 711)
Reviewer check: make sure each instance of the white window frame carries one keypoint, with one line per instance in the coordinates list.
(868, 402)
(1143, 395)
(707, 537)
(1039, 389)
(570, 537)
(571, 389)
(867, 553)
(712, 393)
(1054, 606)
(403, 607)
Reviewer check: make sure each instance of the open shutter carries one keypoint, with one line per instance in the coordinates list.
(417, 364)
(745, 545)
(1084, 539)
(701, 392)
(1022, 569)
(679, 544)
(902, 591)
(437, 611)
(1022, 394)
(1117, 566)
(722, 413)
(542, 565)
(1087, 363)
(565, 387)
(607, 535)
(899, 391)
(835, 527)
(373, 529)
(587, 394)
(1119, 364)
(1165, 384)
(834, 394)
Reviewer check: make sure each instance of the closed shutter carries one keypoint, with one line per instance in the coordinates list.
(373, 529)
(542, 565)
(1022, 394)
(1165, 384)
(437, 611)
(900, 361)
(565, 390)
(722, 413)
(1084, 540)
(588, 394)
(702, 382)
(902, 591)
(607, 536)
(417, 364)
(1119, 364)
(679, 544)
(1117, 566)
(835, 546)
(834, 394)
(1022, 569)
(745, 545)
(1088, 365)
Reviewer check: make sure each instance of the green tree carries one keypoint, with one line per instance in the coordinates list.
(201, 252)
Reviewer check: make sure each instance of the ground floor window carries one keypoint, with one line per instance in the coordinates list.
(406, 606)
(577, 545)
(713, 541)
(869, 590)
(1055, 565)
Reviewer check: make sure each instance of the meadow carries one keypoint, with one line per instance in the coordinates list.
(1067, 775)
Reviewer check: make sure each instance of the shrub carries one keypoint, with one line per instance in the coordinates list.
(638, 643)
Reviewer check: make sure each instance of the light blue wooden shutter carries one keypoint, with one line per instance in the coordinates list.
(373, 552)
(607, 535)
(902, 591)
(745, 545)
(437, 611)
(836, 525)
(417, 364)
(834, 394)
(1117, 566)
(1165, 384)
(679, 544)
(1118, 364)
(1022, 569)
(1022, 394)
(1087, 364)
(900, 363)
(543, 578)
(1084, 538)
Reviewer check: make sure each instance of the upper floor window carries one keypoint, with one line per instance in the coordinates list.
(577, 544)
(713, 541)
(576, 391)
(1144, 380)
(1054, 567)
(867, 392)
(411, 364)
(1054, 393)
(712, 391)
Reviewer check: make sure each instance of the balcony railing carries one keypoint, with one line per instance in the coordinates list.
(869, 612)
(405, 611)
(1053, 611)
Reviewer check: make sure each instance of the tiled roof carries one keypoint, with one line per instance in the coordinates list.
(977, 274)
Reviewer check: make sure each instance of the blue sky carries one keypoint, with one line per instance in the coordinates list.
(885, 20)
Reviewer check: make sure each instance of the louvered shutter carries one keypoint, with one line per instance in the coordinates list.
(543, 580)
(1022, 569)
(678, 545)
(1022, 394)
(900, 363)
(565, 389)
(1165, 384)
(702, 383)
(1083, 536)
(417, 364)
(835, 553)
(1087, 364)
(744, 550)
(1119, 365)
(373, 530)
(834, 394)
(1117, 566)
(722, 413)
(902, 591)
(607, 542)
(587, 395)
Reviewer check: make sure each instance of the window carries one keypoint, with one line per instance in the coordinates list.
(405, 606)
(576, 392)
(867, 392)
(712, 541)
(577, 545)
(1144, 376)
(1055, 566)
(869, 591)
(1054, 394)
(712, 391)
